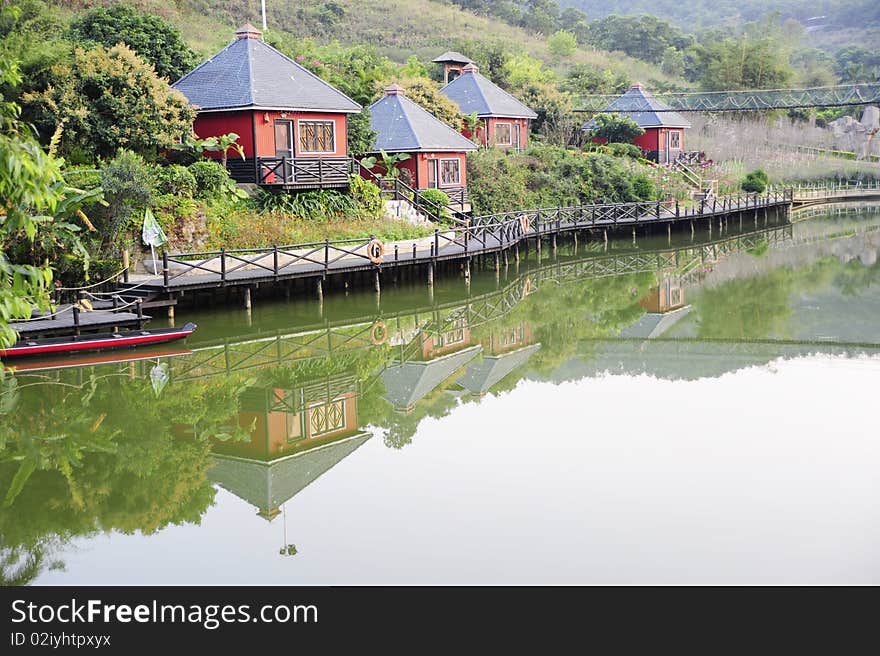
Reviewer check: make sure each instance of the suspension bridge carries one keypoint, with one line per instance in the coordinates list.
(750, 100)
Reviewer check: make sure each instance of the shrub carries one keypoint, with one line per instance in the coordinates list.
(614, 128)
(367, 195)
(436, 196)
(308, 204)
(643, 186)
(176, 179)
(625, 150)
(211, 179)
(756, 181)
(129, 188)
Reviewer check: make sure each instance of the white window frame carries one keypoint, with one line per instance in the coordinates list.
(676, 135)
(509, 127)
(457, 182)
(299, 123)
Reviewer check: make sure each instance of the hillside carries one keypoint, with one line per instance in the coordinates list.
(829, 24)
(397, 28)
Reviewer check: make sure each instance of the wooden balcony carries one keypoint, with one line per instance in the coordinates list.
(301, 173)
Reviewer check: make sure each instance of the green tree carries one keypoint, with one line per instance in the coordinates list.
(154, 40)
(673, 62)
(107, 100)
(32, 198)
(562, 43)
(614, 128)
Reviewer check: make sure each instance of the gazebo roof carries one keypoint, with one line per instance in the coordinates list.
(482, 376)
(249, 73)
(643, 108)
(473, 92)
(452, 57)
(404, 126)
(408, 383)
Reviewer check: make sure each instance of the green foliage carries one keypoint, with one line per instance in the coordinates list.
(386, 164)
(129, 186)
(155, 41)
(614, 128)
(321, 204)
(585, 79)
(361, 136)
(219, 144)
(759, 58)
(756, 181)
(643, 37)
(35, 207)
(109, 99)
(176, 179)
(211, 179)
(437, 201)
(367, 196)
(619, 149)
(548, 176)
(562, 43)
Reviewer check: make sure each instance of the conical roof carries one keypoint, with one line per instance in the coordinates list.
(403, 126)
(249, 73)
(473, 92)
(642, 107)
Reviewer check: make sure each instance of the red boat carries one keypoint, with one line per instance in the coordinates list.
(96, 342)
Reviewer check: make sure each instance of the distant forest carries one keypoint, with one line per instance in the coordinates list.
(699, 14)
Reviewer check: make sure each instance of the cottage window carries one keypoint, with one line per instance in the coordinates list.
(675, 140)
(503, 134)
(317, 137)
(326, 417)
(450, 172)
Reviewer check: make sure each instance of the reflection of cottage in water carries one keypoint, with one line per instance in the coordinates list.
(297, 434)
(440, 354)
(504, 351)
(664, 307)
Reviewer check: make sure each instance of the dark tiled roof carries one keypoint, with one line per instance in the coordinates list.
(251, 73)
(408, 383)
(473, 92)
(267, 485)
(452, 56)
(639, 99)
(480, 377)
(402, 125)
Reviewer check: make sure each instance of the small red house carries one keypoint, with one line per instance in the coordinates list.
(437, 153)
(663, 140)
(504, 120)
(292, 124)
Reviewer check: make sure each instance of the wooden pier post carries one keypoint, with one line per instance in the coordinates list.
(76, 317)
(126, 263)
(634, 236)
(430, 274)
(575, 242)
(605, 237)
(669, 234)
(247, 298)
(710, 228)
(376, 281)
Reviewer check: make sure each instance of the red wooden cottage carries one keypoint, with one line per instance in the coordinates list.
(437, 153)
(504, 120)
(292, 124)
(663, 140)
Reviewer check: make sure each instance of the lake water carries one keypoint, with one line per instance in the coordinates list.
(701, 412)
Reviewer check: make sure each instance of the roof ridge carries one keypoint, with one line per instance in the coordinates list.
(509, 95)
(250, 65)
(409, 119)
(206, 62)
(308, 72)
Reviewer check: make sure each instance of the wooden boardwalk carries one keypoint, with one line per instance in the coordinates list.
(65, 320)
(484, 235)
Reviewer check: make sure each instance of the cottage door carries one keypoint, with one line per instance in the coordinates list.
(517, 144)
(433, 173)
(284, 147)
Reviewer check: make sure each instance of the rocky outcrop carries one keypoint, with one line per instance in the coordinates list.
(859, 137)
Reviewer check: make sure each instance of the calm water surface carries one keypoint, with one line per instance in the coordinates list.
(697, 412)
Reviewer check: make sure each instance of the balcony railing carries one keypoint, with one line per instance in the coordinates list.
(305, 172)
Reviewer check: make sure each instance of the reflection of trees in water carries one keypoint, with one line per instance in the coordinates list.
(760, 307)
(104, 455)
